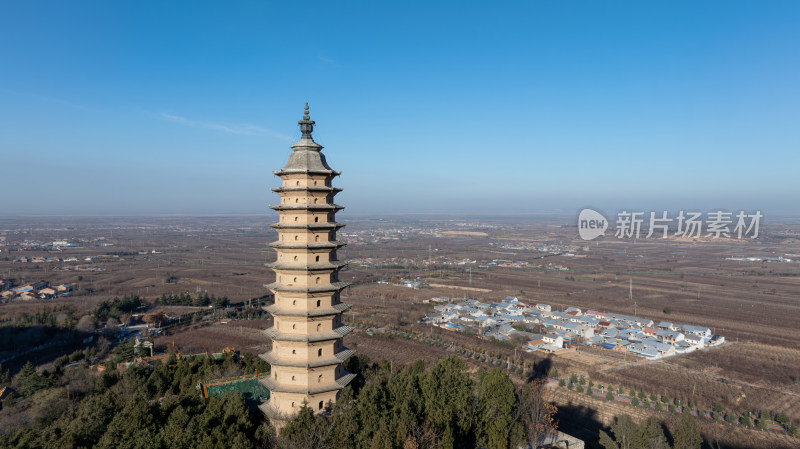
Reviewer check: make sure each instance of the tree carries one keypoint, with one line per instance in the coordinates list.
(687, 435)
(746, 421)
(5, 375)
(123, 352)
(497, 403)
(763, 420)
(345, 420)
(536, 411)
(561, 382)
(306, 431)
(30, 381)
(625, 432)
(447, 393)
(609, 395)
(651, 435)
(85, 324)
(155, 319)
(627, 435)
(634, 401)
(717, 411)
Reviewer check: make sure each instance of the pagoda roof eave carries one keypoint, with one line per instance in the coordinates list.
(335, 310)
(315, 245)
(324, 206)
(332, 287)
(335, 334)
(305, 171)
(307, 225)
(313, 267)
(307, 188)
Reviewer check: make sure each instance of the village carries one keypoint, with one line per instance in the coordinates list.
(33, 291)
(543, 329)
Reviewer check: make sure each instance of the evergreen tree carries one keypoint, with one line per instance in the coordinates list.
(763, 420)
(306, 431)
(372, 409)
(626, 434)
(497, 404)
(687, 436)
(717, 411)
(345, 420)
(447, 393)
(651, 435)
(30, 381)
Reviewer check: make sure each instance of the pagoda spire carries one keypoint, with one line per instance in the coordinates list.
(306, 125)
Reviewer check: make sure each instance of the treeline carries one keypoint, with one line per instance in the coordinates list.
(444, 406)
(55, 316)
(147, 406)
(117, 307)
(46, 326)
(159, 406)
(185, 299)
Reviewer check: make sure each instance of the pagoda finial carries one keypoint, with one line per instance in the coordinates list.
(306, 125)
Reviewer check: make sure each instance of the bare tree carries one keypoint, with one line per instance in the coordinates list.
(535, 411)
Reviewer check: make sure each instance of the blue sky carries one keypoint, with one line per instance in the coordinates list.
(519, 107)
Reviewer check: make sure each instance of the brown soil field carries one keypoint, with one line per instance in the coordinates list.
(755, 305)
(242, 335)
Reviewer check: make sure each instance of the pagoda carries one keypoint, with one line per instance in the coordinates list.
(307, 351)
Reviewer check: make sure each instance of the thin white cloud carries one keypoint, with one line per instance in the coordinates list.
(240, 129)
(326, 59)
(47, 99)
